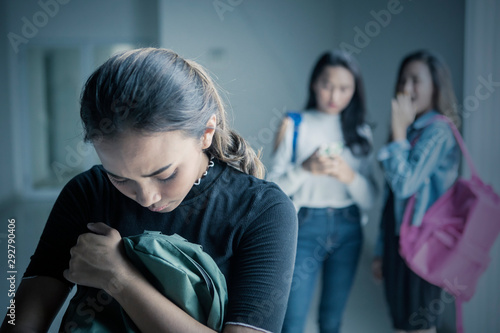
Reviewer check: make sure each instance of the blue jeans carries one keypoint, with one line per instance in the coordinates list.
(331, 239)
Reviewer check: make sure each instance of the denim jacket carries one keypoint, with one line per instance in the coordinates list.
(426, 167)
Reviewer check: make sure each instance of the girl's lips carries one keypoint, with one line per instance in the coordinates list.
(157, 209)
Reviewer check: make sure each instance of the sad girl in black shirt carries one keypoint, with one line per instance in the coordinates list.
(171, 164)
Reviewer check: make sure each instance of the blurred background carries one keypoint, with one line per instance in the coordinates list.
(260, 53)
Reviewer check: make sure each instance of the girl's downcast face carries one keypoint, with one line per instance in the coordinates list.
(156, 170)
(334, 89)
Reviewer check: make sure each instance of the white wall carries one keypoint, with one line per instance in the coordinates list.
(482, 61)
(92, 20)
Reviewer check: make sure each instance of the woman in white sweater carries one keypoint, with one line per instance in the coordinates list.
(323, 161)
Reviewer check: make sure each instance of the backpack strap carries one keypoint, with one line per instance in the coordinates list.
(458, 138)
(461, 144)
(297, 119)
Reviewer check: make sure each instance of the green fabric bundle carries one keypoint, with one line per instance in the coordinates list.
(180, 270)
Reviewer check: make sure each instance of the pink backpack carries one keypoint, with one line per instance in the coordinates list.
(450, 249)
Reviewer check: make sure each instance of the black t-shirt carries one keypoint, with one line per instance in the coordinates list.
(247, 225)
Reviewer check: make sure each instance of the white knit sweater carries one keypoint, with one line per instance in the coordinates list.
(315, 191)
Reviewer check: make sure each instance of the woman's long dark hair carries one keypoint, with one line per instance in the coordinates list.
(443, 97)
(353, 116)
(155, 90)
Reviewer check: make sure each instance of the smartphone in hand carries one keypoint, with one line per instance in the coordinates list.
(331, 149)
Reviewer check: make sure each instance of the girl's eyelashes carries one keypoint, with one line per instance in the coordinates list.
(169, 178)
(116, 181)
(123, 181)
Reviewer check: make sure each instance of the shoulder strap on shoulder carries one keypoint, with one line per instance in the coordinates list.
(297, 119)
(461, 144)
